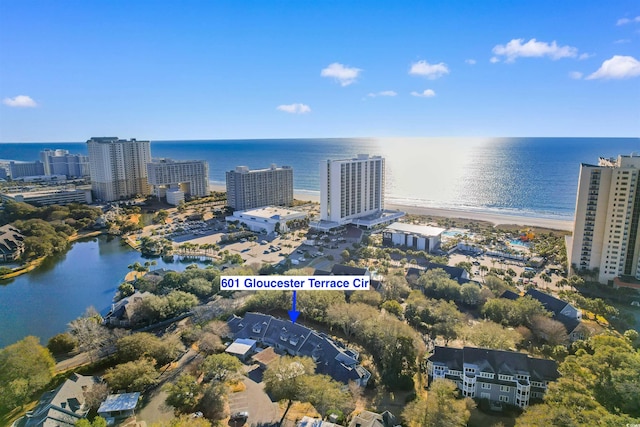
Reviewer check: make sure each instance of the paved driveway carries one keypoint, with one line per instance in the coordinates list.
(255, 401)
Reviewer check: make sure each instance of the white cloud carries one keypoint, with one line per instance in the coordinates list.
(294, 108)
(618, 67)
(430, 71)
(494, 59)
(345, 75)
(470, 61)
(585, 56)
(21, 101)
(534, 49)
(576, 75)
(624, 21)
(382, 93)
(427, 93)
(622, 41)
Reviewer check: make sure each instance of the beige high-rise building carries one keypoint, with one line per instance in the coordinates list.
(250, 189)
(351, 188)
(118, 167)
(189, 176)
(605, 234)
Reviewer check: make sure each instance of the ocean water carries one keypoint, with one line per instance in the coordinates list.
(525, 176)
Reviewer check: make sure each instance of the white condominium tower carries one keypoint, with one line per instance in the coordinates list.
(189, 176)
(351, 188)
(250, 189)
(605, 234)
(118, 167)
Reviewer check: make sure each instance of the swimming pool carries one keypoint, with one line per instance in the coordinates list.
(516, 242)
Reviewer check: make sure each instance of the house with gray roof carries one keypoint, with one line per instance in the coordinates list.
(11, 243)
(562, 311)
(499, 376)
(331, 357)
(122, 312)
(63, 406)
(373, 419)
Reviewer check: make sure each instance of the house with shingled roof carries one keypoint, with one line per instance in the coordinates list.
(63, 406)
(331, 357)
(11, 243)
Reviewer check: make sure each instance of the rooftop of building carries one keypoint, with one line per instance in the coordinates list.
(272, 212)
(273, 167)
(166, 160)
(359, 157)
(423, 230)
(119, 402)
(47, 191)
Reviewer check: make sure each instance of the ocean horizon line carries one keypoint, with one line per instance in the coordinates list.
(334, 138)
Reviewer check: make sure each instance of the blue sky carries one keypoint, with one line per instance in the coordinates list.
(286, 69)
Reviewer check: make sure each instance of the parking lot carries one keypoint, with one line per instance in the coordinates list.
(254, 400)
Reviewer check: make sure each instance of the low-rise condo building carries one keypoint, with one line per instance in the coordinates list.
(499, 376)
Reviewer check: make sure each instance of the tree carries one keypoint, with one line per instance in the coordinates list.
(183, 421)
(97, 422)
(497, 285)
(141, 344)
(438, 284)
(213, 401)
(549, 330)
(470, 294)
(599, 382)
(314, 305)
(62, 343)
(440, 409)
(396, 287)
(393, 307)
(132, 376)
(221, 367)
(97, 394)
(284, 379)
(370, 297)
(325, 394)
(126, 289)
(490, 335)
(210, 343)
(26, 367)
(89, 332)
(183, 394)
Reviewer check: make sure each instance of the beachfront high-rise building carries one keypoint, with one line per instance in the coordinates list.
(250, 189)
(23, 169)
(60, 162)
(605, 234)
(118, 167)
(351, 188)
(189, 176)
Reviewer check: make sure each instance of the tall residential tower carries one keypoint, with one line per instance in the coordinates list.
(249, 189)
(605, 234)
(351, 188)
(118, 167)
(189, 176)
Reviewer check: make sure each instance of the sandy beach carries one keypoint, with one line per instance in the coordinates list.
(494, 218)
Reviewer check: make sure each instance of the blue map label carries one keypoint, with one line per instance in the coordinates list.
(294, 283)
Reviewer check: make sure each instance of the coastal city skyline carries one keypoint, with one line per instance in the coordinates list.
(279, 70)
